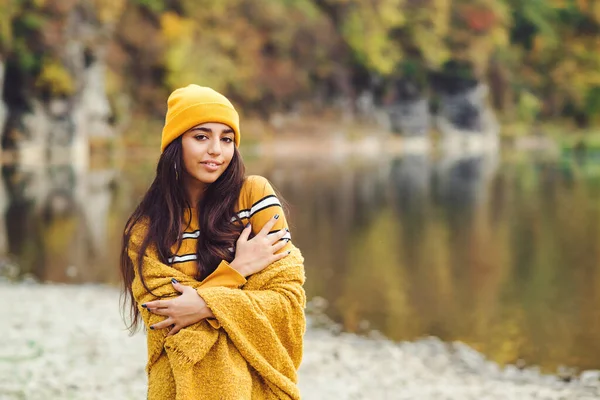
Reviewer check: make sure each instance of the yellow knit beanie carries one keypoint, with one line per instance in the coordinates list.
(193, 105)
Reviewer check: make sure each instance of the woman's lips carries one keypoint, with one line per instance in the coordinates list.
(211, 166)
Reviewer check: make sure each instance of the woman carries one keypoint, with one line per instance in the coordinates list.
(209, 267)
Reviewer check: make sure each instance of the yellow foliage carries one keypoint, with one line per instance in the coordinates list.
(595, 11)
(391, 13)
(538, 44)
(263, 49)
(55, 79)
(432, 46)
(8, 9)
(175, 28)
(179, 33)
(479, 54)
(367, 28)
(500, 37)
(559, 3)
(441, 17)
(109, 11)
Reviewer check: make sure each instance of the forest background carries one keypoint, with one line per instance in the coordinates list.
(540, 59)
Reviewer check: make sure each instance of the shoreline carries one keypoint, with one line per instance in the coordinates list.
(336, 147)
(68, 342)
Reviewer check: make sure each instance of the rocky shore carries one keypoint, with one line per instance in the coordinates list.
(68, 342)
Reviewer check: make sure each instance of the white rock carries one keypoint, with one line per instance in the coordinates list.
(590, 377)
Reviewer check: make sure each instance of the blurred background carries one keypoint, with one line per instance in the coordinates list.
(440, 158)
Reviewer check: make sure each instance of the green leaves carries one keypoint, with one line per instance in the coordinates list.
(156, 6)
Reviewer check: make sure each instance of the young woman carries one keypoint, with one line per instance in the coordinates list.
(209, 267)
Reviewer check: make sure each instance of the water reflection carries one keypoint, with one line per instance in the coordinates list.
(57, 221)
(505, 257)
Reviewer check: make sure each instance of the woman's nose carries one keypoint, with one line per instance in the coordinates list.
(215, 147)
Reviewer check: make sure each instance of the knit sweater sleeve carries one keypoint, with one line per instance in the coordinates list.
(265, 320)
(157, 275)
(157, 285)
(259, 203)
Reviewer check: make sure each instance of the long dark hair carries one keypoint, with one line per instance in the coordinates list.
(162, 211)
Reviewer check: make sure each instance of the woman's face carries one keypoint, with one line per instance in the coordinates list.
(207, 151)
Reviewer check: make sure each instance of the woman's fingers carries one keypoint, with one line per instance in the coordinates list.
(245, 233)
(279, 256)
(277, 236)
(156, 304)
(270, 224)
(159, 311)
(174, 330)
(163, 324)
(279, 245)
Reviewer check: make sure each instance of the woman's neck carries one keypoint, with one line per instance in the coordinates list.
(194, 190)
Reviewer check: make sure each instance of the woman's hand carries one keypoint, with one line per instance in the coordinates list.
(254, 255)
(182, 311)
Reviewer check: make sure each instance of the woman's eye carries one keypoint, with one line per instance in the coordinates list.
(228, 140)
(200, 137)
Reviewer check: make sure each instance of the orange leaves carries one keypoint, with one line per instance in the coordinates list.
(478, 19)
(583, 5)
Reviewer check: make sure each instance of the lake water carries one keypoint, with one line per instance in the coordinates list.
(502, 253)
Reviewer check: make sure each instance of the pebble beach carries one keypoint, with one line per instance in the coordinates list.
(69, 342)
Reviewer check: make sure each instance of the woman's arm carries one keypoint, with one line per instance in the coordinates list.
(270, 307)
(251, 256)
(158, 278)
(185, 310)
(264, 321)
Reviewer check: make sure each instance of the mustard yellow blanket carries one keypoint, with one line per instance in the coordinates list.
(251, 351)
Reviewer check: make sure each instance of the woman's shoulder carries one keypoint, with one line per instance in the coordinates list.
(255, 189)
(137, 230)
(255, 181)
(256, 186)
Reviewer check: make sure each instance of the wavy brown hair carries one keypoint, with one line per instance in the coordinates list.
(162, 210)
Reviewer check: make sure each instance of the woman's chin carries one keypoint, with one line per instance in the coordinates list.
(207, 179)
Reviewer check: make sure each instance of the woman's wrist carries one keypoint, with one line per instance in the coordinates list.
(239, 267)
(204, 312)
